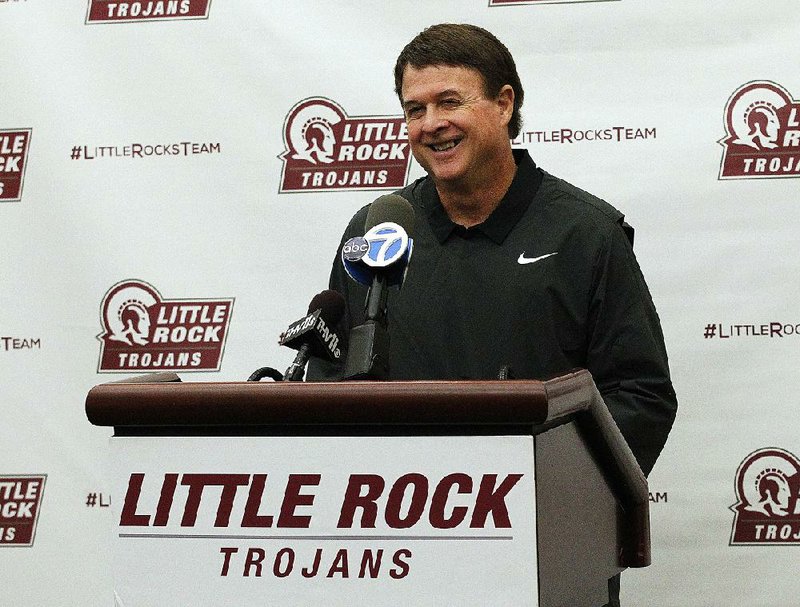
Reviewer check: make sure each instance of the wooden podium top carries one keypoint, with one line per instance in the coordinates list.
(162, 400)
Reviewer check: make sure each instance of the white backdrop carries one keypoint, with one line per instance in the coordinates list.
(152, 151)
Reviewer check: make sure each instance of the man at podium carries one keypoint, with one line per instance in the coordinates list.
(513, 270)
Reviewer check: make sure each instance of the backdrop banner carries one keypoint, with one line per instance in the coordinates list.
(175, 176)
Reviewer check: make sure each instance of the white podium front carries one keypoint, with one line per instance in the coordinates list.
(339, 521)
(515, 493)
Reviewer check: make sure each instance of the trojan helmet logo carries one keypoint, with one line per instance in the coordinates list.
(144, 332)
(310, 131)
(327, 150)
(767, 508)
(763, 133)
(126, 312)
(753, 115)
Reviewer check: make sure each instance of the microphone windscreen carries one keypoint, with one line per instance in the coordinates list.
(390, 207)
(332, 305)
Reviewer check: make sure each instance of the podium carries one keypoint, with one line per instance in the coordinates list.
(369, 493)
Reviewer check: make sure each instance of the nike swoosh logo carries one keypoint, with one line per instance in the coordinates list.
(523, 260)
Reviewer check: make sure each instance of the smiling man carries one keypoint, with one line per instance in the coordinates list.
(460, 137)
(512, 268)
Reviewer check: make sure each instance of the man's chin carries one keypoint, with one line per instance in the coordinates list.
(445, 171)
(447, 177)
(442, 172)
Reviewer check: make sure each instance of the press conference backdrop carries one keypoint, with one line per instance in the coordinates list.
(175, 177)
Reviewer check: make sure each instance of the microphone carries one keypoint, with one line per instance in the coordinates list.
(315, 334)
(385, 246)
(378, 260)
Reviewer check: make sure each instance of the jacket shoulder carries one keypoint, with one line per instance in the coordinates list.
(564, 189)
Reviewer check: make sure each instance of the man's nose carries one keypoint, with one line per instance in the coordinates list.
(434, 120)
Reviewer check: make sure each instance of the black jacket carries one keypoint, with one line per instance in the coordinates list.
(548, 283)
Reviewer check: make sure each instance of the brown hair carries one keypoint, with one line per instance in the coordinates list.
(468, 46)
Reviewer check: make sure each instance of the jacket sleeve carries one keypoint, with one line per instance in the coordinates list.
(626, 354)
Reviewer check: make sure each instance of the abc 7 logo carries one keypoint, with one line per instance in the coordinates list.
(380, 247)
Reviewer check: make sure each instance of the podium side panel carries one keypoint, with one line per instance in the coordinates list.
(576, 522)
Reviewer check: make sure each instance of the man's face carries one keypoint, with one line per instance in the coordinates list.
(455, 132)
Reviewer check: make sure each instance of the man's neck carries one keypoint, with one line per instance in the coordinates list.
(471, 204)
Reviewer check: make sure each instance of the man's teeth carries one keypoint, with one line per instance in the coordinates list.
(444, 146)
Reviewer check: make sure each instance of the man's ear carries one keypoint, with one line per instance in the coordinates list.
(505, 101)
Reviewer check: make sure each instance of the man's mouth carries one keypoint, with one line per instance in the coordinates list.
(443, 147)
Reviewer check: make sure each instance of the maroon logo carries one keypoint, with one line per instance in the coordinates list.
(327, 150)
(20, 497)
(13, 157)
(108, 11)
(768, 509)
(763, 133)
(143, 332)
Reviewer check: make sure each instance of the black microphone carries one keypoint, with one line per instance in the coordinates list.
(378, 260)
(315, 334)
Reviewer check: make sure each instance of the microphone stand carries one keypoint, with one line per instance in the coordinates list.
(368, 352)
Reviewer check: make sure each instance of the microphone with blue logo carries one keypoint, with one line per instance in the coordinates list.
(377, 260)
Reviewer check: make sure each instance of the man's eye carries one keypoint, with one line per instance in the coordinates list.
(451, 102)
(413, 111)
